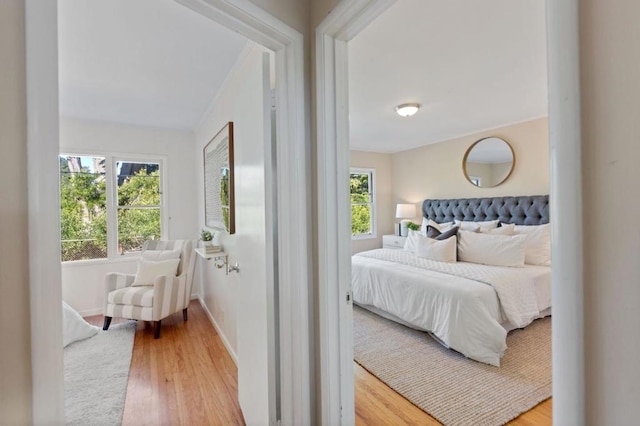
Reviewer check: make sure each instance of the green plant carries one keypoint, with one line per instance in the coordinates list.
(206, 235)
(413, 226)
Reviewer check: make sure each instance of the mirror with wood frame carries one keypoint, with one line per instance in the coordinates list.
(488, 162)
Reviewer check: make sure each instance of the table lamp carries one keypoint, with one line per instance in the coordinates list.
(405, 212)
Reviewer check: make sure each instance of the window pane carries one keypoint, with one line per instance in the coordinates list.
(361, 219)
(360, 188)
(83, 211)
(138, 184)
(135, 226)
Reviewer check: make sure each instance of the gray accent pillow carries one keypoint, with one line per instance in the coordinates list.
(432, 232)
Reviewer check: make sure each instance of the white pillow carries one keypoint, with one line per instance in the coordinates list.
(538, 247)
(149, 270)
(161, 254)
(74, 327)
(441, 251)
(411, 244)
(467, 225)
(487, 249)
(505, 229)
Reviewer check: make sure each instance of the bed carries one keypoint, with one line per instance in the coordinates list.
(467, 307)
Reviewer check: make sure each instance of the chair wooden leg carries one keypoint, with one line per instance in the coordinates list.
(184, 314)
(107, 323)
(156, 331)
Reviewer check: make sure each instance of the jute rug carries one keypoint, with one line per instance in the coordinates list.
(96, 372)
(447, 385)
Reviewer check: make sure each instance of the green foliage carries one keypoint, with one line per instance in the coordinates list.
(206, 235)
(83, 214)
(360, 207)
(413, 226)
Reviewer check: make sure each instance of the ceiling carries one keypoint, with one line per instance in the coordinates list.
(472, 65)
(144, 62)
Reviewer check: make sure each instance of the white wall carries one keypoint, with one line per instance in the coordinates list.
(385, 209)
(435, 171)
(241, 93)
(15, 330)
(610, 93)
(82, 282)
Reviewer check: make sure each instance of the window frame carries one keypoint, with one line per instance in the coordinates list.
(372, 203)
(111, 159)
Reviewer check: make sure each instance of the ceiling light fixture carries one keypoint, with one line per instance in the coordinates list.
(407, 110)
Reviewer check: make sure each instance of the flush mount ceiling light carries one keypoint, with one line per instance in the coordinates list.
(407, 110)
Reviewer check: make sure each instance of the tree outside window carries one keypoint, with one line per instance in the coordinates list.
(362, 202)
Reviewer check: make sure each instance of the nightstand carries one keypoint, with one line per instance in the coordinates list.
(393, 241)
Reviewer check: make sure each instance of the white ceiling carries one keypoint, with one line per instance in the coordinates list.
(472, 64)
(145, 62)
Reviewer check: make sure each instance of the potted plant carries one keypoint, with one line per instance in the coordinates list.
(206, 237)
(413, 226)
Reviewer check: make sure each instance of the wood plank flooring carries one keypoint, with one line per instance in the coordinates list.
(187, 378)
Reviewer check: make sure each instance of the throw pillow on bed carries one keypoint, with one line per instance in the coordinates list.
(504, 229)
(467, 225)
(538, 246)
(439, 250)
(411, 244)
(149, 270)
(442, 227)
(495, 250)
(434, 233)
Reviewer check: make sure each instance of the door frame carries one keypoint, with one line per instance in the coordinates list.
(293, 205)
(345, 21)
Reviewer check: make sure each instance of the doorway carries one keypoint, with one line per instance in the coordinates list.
(292, 172)
(341, 26)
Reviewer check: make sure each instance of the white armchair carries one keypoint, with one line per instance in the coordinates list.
(166, 296)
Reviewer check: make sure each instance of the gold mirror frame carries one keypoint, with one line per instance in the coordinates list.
(473, 180)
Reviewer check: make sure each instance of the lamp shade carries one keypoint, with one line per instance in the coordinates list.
(405, 211)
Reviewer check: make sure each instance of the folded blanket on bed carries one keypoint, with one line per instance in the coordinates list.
(515, 290)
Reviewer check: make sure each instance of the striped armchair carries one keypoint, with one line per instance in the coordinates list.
(166, 296)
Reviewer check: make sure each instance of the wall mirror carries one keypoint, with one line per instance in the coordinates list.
(219, 209)
(488, 162)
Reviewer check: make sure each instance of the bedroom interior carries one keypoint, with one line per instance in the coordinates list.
(593, 126)
(473, 86)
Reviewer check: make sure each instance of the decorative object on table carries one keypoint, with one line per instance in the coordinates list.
(413, 226)
(405, 212)
(206, 237)
(488, 162)
(219, 199)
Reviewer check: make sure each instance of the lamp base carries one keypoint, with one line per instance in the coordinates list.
(404, 230)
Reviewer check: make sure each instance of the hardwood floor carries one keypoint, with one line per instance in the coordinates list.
(378, 404)
(186, 377)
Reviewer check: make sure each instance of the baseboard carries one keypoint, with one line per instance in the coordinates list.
(91, 312)
(225, 342)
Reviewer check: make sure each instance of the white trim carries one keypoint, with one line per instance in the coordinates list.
(294, 205)
(334, 230)
(565, 154)
(341, 25)
(220, 332)
(45, 282)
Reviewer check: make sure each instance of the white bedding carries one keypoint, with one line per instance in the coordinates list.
(464, 305)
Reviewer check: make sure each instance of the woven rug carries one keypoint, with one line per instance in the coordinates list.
(447, 385)
(96, 372)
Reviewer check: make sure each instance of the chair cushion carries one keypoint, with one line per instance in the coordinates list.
(136, 296)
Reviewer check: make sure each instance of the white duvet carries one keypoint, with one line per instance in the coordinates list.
(455, 301)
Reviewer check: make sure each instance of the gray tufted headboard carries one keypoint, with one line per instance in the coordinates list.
(522, 210)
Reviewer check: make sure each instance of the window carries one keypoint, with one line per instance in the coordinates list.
(109, 206)
(362, 203)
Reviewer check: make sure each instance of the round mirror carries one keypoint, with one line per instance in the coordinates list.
(488, 162)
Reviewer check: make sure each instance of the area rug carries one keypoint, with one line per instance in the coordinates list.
(96, 371)
(450, 387)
